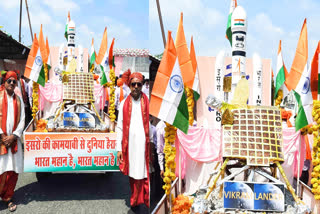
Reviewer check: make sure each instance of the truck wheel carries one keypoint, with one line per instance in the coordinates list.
(41, 176)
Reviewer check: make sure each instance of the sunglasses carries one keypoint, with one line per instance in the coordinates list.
(133, 84)
(9, 81)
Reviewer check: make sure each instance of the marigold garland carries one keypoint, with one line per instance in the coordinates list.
(111, 85)
(315, 181)
(170, 154)
(181, 205)
(45, 72)
(279, 98)
(190, 103)
(35, 98)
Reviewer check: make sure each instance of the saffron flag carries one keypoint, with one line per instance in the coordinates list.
(281, 74)
(233, 5)
(34, 64)
(299, 80)
(183, 56)
(168, 101)
(195, 85)
(315, 73)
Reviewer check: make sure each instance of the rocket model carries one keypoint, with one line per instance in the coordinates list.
(257, 79)
(239, 31)
(71, 31)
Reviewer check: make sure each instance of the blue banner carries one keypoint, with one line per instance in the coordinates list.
(253, 196)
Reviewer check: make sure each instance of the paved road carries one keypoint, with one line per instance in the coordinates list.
(72, 193)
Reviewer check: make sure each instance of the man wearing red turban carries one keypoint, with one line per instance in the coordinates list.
(12, 124)
(133, 140)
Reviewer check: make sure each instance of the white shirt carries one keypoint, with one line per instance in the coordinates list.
(145, 89)
(9, 161)
(137, 139)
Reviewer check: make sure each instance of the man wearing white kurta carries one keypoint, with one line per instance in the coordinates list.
(134, 137)
(12, 125)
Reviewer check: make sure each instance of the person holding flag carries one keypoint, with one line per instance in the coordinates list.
(133, 140)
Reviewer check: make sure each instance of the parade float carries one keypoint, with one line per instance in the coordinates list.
(69, 130)
(243, 156)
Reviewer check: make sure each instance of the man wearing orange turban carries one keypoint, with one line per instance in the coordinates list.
(133, 140)
(12, 124)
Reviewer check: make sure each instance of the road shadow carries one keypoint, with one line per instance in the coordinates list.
(64, 187)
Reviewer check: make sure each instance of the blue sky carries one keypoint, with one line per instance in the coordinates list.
(126, 21)
(268, 22)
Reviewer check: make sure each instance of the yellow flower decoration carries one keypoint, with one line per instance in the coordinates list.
(279, 98)
(35, 98)
(190, 103)
(170, 154)
(315, 181)
(111, 85)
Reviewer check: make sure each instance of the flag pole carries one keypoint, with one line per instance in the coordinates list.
(161, 24)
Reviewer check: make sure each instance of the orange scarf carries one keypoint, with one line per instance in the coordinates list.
(16, 111)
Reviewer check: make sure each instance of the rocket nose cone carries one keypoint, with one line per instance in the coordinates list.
(239, 13)
(239, 18)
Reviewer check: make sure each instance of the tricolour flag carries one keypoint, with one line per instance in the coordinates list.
(233, 5)
(299, 79)
(168, 101)
(66, 28)
(315, 73)
(34, 64)
(184, 56)
(102, 58)
(195, 85)
(281, 74)
(48, 54)
(92, 54)
(103, 51)
(44, 53)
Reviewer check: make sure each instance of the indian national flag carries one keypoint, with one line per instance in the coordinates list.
(92, 54)
(102, 58)
(195, 85)
(299, 80)
(168, 101)
(184, 56)
(281, 74)
(315, 89)
(66, 28)
(34, 64)
(106, 65)
(48, 54)
(233, 5)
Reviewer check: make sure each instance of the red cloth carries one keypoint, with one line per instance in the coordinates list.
(10, 74)
(127, 108)
(8, 181)
(139, 192)
(128, 76)
(14, 147)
